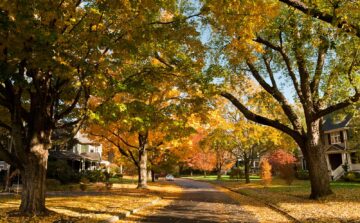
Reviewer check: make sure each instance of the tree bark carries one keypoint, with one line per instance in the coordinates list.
(246, 169)
(219, 174)
(33, 175)
(142, 169)
(152, 176)
(315, 156)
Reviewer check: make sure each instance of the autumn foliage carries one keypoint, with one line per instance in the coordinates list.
(265, 174)
(283, 162)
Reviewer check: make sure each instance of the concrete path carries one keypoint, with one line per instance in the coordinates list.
(200, 203)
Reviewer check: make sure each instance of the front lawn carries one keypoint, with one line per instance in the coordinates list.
(88, 206)
(342, 206)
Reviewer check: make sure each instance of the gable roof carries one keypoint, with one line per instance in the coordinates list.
(335, 148)
(329, 123)
(81, 138)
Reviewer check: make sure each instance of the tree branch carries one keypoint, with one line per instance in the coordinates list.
(71, 107)
(123, 140)
(261, 119)
(314, 85)
(338, 106)
(287, 63)
(274, 91)
(176, 20)
(331, 19)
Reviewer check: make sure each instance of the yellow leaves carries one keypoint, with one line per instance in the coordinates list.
(241, 21)
(98, 27)
(166, 16)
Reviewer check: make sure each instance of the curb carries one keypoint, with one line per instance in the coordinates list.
(270, 205)
(123, 215)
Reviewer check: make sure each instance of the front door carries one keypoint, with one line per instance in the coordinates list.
(335, 160)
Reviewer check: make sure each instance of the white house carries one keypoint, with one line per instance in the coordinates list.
(341, 145)
(83, 154)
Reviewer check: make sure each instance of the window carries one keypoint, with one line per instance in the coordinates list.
(84, 148)
(335, 138)
(355, 158)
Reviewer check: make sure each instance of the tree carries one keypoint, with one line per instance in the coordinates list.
(284, 163)
(312, 57)
(265, 169)
(341, 14)
(51, 54)
(44, 83)
(252, 140)
(219, 142)
(192, 155)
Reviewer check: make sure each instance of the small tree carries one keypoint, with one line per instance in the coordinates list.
(283, 162)
(265, 169)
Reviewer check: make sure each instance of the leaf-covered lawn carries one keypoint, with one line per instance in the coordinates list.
(342, 206)
(89, 206)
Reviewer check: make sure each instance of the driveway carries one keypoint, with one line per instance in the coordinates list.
(200, 202)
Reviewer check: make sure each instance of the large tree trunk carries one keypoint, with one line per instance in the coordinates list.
(31, 149)
(33, 175)
(142, 180)
(315, 157)
(142, 170)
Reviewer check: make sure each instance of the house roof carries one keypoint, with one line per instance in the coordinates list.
(69, 155)
(335, 147)
(92, 156)
(84, 140)
(330, 124)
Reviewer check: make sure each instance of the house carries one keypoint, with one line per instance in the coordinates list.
(81, 153)
(4, 166)
(341, 145)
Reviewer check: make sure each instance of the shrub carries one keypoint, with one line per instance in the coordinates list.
(302, 174)
(352, 177)
(61, 171)
(287, 173)
(94, 175)
(236, 173)
(265, 173)
(279, 159)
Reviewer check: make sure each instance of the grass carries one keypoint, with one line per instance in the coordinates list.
(342, 206)
(90, 206)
